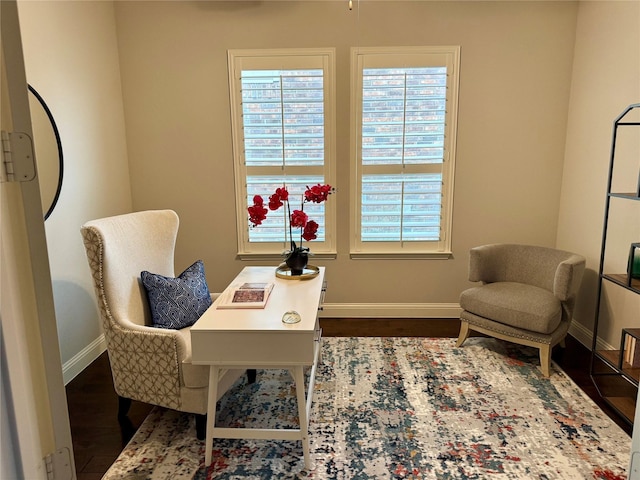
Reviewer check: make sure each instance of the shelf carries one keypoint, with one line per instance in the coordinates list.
(616, 379)
(615, 389)
(633, 373)
(610, 356)
(613, 359)
(618, 393)
(625, 405)
(628, 196)
(634, 332)
(621, 279)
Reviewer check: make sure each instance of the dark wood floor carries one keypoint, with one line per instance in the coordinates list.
(98, 438)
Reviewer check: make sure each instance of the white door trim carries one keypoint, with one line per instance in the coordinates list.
(36, 404)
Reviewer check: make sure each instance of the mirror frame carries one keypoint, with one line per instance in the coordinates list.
(59, 144)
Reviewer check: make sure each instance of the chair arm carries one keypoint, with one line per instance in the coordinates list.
(146, 363)
(485, 263)
(171, 337)
(568, 277)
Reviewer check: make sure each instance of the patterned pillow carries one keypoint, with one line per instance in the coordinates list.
(177, 302)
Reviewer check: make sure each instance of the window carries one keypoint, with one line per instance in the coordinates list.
(282, 108)
(404, 111)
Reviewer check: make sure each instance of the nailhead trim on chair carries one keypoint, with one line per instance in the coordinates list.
(546, 339)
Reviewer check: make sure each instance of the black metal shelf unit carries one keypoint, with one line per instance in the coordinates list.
(615, 372)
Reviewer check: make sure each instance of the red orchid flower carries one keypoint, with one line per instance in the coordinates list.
(318, 193)
(257, 212)
(298, 219)
(310, 230)
(276, 200)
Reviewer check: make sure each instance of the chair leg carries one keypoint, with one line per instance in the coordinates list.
(545, 360)
(123, 407)
(251, 376)
(201, 426)
(464, 333)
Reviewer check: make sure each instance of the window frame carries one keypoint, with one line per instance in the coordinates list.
(279, 59)
(389, 57)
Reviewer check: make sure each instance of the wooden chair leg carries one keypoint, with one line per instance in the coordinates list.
(464, 333)
(545, 360)
(123, 407)
(201, 426)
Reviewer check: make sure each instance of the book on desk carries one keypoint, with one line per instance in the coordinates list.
(246, 295)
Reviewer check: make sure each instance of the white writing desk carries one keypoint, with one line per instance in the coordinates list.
(257, 338)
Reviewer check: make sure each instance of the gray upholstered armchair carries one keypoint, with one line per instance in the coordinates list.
(526, 297)
(148, 364)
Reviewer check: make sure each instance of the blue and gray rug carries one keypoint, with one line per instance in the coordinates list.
(398, 408)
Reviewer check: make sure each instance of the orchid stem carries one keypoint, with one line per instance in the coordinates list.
(293, 244)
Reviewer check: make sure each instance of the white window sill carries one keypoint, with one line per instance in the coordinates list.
(278, 257)
(401, 256)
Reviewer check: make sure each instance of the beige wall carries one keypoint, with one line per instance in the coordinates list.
(71, 59)
(605, 80)
(518, 106)
(516, 62)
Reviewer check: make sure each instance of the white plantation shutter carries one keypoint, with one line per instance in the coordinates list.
(283, 128)
(275, 229)
(283, 117)
(398, 208)
(405, 111)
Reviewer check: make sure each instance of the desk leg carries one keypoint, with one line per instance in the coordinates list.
(211, 413)
(298, 376)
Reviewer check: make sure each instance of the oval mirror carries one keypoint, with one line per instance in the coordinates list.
(48, 151)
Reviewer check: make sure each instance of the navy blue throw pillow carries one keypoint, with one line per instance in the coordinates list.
(177, 302)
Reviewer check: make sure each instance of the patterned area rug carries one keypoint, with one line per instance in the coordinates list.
(394, 408)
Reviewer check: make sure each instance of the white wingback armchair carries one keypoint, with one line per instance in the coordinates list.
(148, 364)
(527, 295)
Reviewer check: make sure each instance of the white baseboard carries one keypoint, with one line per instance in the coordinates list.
(83, 359)
(585, 337)
(581, 333)
(390, 310)
(92, 351)
(431, 310)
